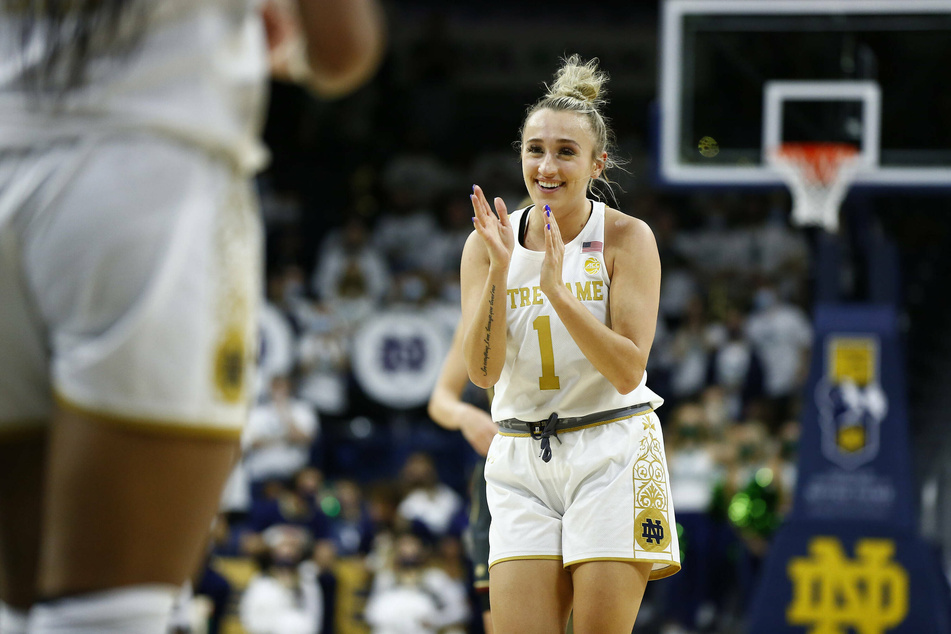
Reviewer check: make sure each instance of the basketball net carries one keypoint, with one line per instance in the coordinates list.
(818, 176)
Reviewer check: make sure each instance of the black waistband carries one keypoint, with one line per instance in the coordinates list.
(547, 429)
(574, 422)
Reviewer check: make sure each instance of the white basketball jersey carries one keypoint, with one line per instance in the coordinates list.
(198, 73)
(545, 371)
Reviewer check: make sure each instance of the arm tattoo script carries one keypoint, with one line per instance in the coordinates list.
(488, 333)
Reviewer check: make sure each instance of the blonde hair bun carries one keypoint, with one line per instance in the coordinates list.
(580, 80)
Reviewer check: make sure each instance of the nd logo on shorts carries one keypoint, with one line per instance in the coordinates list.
(651, 531)
(592, 266)
(230, 372)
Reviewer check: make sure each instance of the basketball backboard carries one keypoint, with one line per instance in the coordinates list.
(755, 73)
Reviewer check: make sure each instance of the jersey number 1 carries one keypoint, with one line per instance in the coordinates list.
(548, 380)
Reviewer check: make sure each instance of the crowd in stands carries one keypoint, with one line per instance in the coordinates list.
(345, 515)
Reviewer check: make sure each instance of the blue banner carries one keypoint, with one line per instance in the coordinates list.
(845, 577)
(854, 458)
(849, 558)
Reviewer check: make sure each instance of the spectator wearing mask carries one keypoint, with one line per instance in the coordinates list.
(429, 502)
(734, 372)
(411, 596)
(279, 434)
(285, 598)
(781, 335)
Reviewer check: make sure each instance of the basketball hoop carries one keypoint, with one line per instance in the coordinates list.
(818, 176)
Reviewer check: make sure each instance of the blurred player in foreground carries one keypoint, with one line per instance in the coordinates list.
(129, 268)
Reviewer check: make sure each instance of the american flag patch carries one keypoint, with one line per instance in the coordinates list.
(595, 246)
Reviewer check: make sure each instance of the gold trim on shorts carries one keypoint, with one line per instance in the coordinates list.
(176, 428)
(670, 568)
(522, 557)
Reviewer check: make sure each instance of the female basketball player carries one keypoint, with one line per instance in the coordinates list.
(129, 266)
(559, 306)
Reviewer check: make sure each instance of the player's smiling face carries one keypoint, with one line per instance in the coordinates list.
(558, 158)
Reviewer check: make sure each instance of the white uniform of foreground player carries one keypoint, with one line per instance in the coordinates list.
(129, 268)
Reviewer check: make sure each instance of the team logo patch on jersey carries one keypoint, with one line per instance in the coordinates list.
(230, 371)
(592, 266)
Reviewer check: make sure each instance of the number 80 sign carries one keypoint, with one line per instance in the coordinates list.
(397, 356)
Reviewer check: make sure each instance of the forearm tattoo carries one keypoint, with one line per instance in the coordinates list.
(488, 333)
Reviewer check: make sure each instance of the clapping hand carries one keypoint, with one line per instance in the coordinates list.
(494, 229)
(551, 280)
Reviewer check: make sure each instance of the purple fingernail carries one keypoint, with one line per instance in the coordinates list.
(549, 226)
(548, 213)
(473, 218)
(547, 208)
(473, 188)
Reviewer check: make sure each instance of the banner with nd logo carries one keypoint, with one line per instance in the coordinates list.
(849, 558)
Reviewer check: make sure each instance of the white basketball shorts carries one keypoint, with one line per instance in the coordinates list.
(604, 496)
(129, 278)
